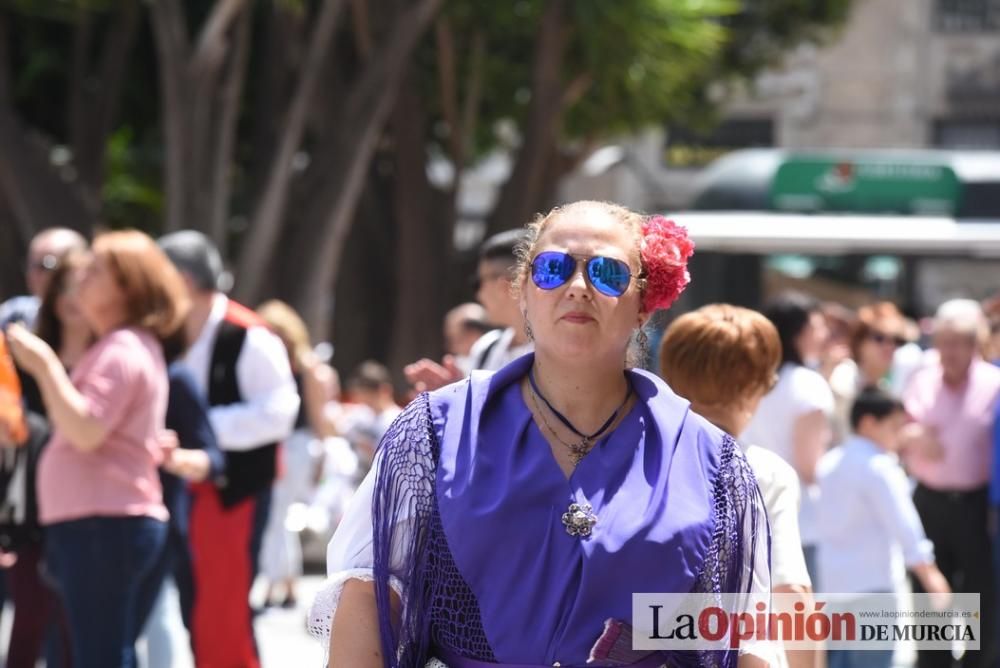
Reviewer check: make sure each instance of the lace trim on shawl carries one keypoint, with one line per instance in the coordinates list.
(740, 531)
(440, 607)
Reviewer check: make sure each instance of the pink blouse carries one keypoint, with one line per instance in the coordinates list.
(124, 380)
(963, 419)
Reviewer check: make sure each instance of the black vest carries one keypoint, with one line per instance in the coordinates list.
(247, 471)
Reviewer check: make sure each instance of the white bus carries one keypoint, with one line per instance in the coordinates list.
(916, 227)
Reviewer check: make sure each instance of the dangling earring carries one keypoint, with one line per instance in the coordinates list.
(642, 343)
(527, 330)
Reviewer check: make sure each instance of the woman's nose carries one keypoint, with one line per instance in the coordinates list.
(578, 282)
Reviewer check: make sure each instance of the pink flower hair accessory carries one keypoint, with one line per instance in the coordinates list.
(665, 251)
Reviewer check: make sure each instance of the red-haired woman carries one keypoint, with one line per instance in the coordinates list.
(98, 488)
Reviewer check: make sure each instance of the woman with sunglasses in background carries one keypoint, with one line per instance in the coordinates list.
(99, 493)
(510, 517)
(875, 336)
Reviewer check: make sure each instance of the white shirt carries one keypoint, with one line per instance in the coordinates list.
(271, 402)
(799, 391)
(870, 527)
(779, 485)
(502, 352)
(22, 308)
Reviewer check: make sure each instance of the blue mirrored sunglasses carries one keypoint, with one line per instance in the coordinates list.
(608, 275)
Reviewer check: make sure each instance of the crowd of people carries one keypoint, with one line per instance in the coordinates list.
(871, 437)
(169, 433)
(535, 479)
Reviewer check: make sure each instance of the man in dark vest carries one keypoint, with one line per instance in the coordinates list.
(244, 371)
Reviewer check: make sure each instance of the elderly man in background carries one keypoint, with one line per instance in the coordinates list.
(949, 450)
(244, 372)
(46, 250)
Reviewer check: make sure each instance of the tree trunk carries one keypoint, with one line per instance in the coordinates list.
(95, 94)
(317, 241)
(170, 35)
(362, 324)
(522, 194)
(421, 278)
(265, 226)
(199, 114)
(278, 58)
(31, 192)
(224, 144)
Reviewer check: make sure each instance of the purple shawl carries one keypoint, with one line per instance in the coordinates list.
(491, 572)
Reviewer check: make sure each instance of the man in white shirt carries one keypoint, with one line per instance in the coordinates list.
(244, 371)
(494, 349)
(868, 522)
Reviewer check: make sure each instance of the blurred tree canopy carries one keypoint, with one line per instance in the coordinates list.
(297, 133)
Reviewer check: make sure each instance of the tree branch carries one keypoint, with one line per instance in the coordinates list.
(79, 75)
(576, 89)
(273, 88)
(225, 134)
(102, 100)
(362, 28)
(265, 225)
(210, 51)
(322, 238)
(170, 36)
(445, 43)
(522, 193)
(114, 61)
(474, 90)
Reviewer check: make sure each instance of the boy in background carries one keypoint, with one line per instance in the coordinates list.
(868, 519)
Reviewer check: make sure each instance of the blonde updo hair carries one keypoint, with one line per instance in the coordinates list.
(290, 328)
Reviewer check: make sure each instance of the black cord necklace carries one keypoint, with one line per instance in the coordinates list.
(583, 446)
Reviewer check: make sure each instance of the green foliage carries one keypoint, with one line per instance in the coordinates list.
(648, 62)
(639, 63)
(764, 29)
(643, 57)
(131, 193)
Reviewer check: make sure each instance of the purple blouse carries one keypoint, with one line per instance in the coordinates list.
(495, 571)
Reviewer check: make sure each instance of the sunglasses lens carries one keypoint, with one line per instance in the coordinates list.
(550, 270)
(609, 276)
(881, 339)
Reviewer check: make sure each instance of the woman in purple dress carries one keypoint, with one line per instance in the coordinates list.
(510, 517)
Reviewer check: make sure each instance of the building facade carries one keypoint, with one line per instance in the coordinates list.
(899, 74)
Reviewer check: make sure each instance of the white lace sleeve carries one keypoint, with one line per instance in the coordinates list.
(349, 556)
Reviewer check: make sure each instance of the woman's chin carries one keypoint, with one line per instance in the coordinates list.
(578, 348)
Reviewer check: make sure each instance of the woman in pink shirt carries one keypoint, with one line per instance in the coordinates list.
(99, 493)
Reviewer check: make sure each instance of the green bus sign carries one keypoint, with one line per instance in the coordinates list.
(829, 185)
